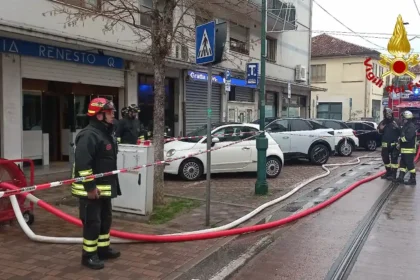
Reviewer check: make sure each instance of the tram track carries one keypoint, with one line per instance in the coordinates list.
(342, 267)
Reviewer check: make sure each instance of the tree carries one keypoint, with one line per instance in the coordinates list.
(172, 21)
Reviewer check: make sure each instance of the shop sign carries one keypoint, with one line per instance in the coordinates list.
(26, 48)
(201, 76)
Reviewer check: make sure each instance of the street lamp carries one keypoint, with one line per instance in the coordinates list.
(261, 186)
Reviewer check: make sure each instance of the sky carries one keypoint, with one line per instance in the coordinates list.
(368, 16)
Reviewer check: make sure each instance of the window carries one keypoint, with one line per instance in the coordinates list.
(232, 93)
(145, 14)
(239, 36)
(332, 111)
(249, 133)
(227, 134)
(352, 125)
(333, 125)
(88, 4)
(316, 125)
(286, 11)
(299, 125)
(362, 126)
(318, 73)
(32, 111)
(279, 126)
(271, 49)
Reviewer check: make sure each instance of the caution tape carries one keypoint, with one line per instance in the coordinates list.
(114, 172)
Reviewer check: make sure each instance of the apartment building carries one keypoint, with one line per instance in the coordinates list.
(50, 68)
(338, 66)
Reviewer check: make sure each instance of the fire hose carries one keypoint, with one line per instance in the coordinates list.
(187, 236)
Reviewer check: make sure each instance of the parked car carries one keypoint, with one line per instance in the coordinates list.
(374, 124)
(298, 138)
(368, 135)
(241, 157)
(346, 140)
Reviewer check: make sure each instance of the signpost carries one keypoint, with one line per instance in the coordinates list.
(205, 43)
(289, 95)
(228, 80)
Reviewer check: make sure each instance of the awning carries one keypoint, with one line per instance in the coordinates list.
(294, 85)
(409, 104)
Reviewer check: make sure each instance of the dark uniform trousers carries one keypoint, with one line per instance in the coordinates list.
(96, 215)
(407, 160)
(390, 155)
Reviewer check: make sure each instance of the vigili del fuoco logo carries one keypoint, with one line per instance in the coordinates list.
(399, 62)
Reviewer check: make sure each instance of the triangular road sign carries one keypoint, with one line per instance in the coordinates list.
(205, 48)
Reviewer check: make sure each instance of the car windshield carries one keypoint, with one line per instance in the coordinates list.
(201, 131)
(317, 125)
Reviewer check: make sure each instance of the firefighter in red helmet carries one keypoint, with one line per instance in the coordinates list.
(96, 152)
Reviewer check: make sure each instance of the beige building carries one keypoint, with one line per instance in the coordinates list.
(339, 67)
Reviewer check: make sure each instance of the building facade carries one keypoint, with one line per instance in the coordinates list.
(340, 68)
(50, 68)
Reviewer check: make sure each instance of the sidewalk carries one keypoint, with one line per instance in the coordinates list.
(231, 198)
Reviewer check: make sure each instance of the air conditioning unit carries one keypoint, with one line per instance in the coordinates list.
(300, 73)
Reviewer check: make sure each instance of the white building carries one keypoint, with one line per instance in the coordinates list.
(50, 69)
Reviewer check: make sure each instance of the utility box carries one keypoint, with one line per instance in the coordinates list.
(137, 185)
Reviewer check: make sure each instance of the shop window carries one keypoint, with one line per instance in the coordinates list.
(239, 37)
(271, 49)
(32, 111)
(332, 111)
(318, 73)
(145, 13)
(87, 4)
(232, 93)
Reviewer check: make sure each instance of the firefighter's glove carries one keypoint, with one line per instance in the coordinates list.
(94, 194)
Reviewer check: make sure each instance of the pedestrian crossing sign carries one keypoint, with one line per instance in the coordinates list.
(205, 43)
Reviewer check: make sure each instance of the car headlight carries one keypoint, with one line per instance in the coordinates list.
(170, 153)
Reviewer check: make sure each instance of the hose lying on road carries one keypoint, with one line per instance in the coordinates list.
(131, 237)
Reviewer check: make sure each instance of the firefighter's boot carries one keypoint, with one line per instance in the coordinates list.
(108, 253)
(400, 178)
(92, 262)
(412, 180)
(387, 174)
(393, 175)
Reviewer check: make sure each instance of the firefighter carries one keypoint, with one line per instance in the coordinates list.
(129, 130)
(390, 131)
(96, 152)
(407, 145)
(123, 113)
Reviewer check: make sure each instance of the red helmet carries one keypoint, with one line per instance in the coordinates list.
(98, 105)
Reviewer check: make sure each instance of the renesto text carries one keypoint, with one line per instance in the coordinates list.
(379, 82)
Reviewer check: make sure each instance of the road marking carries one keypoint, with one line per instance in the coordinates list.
(240, 261)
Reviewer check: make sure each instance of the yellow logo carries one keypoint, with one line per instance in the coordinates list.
(399, 47)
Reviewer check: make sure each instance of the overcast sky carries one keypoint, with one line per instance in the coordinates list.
(377, 16)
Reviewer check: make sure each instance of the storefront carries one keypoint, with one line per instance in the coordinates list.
(294, 107)
(49, 94)
(271, 104)
(241, 105)
(146, 103)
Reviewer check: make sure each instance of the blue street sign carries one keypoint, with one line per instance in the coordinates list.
(252, 74)
(205, 42)
(228, 75)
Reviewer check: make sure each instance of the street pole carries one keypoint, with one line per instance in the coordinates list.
(208, 175)
(261, 186)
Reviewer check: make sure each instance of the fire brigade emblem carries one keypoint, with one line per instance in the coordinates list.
(399, 47)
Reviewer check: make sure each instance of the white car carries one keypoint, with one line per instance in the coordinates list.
(240, 157)
(346, 140)
(299, 139)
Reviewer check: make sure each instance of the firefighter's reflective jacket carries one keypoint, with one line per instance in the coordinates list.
(408, 138)
(96, 152)
(390, 132)
(129, 131)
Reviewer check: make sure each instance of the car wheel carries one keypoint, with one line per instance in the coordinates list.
(191, 169)
(29, 218)
(345, 148)
(273, 167)
(319, 154)
(371, 145)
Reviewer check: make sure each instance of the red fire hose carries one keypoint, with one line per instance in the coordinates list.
(202, 236)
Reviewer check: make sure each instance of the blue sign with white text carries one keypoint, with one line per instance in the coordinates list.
(202, 77)
(19, 47)
(205, 40)
(252, 74)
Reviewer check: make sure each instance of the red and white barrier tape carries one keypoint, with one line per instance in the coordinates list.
(214, 135)
(100, 175)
